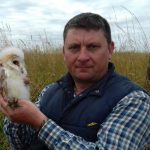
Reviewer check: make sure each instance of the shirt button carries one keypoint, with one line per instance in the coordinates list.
(97, 91)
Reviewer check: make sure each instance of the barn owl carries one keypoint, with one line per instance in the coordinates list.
(14, 83)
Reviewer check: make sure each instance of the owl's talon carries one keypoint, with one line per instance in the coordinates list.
(13, 103)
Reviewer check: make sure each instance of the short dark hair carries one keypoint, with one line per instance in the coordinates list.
(89, 21)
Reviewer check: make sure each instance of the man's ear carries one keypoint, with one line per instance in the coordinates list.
(64, 53)
(111, 48)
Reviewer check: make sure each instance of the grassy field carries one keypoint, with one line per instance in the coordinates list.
(46, 67)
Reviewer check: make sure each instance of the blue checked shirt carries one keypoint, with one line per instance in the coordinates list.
(126, 128)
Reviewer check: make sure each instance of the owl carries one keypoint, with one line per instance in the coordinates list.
(14, 82)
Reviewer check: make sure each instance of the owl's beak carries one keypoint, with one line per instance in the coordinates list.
(26, 81)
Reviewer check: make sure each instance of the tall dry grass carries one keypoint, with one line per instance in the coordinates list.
(134, 66)
(43, 69)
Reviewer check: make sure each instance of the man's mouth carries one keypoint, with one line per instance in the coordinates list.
(83, 66)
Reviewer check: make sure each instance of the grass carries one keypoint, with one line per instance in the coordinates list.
(3, 142)
(43, 68)
(133, 65)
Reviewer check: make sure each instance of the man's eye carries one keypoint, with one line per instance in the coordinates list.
(93, 47)
(74, 48)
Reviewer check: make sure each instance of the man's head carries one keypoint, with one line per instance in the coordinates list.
(87, 47)
(89, 21)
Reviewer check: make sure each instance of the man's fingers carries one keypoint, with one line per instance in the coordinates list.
(3, 101)
(3, 98)
(3, 105)
(3, 109)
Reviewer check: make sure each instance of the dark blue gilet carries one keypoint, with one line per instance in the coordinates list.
(83, 115)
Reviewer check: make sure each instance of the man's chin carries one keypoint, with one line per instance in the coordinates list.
(83, 79)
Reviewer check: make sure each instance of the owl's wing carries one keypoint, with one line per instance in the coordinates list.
(3, 83)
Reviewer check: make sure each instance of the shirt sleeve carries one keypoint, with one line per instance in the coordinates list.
(127, 127)
(19, 135)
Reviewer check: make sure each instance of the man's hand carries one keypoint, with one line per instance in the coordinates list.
(27, 113)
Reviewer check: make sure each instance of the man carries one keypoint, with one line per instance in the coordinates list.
(91, 107)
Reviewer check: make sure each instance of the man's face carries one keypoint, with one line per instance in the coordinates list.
(86, 54)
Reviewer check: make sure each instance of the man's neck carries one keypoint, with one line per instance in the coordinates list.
(80, 87)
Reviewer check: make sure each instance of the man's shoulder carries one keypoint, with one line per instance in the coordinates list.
(120, 86)
(51, 88)
(125, 82)
(49, 94)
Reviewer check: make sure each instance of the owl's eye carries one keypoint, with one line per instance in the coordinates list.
(15, 62)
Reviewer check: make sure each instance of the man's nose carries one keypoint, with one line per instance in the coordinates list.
(83, 55)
